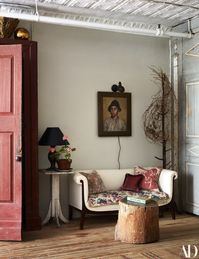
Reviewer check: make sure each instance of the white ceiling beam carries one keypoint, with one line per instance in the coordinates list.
(97, 23)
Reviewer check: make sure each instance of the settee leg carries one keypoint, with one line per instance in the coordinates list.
(70, 216)
(161, 213)
(173, 208)
(83, 212)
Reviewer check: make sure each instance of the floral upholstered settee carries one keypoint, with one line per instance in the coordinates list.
(93, 191)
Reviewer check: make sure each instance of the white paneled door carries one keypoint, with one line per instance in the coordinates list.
(191, 179)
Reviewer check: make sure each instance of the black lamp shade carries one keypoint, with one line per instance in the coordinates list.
(52, 137)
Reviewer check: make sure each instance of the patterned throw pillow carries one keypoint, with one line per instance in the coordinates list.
(95, 183)
(131, 182)
(151, 177)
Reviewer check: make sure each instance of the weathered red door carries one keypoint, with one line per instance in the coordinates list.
(10, 142)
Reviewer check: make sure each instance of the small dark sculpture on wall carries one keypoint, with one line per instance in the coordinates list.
(118, 88)
(160, 115)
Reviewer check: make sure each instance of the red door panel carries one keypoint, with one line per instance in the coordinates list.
(6, 140)
(10, 142)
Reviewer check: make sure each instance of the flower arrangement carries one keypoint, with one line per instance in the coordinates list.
(65, 151)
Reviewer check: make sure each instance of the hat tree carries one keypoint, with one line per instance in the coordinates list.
(118, 88)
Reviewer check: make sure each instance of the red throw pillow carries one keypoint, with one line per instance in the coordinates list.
(131, 182)
(151, 178)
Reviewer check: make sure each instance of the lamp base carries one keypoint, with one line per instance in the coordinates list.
(52, 160)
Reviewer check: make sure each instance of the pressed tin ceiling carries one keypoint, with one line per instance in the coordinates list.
(157, 16)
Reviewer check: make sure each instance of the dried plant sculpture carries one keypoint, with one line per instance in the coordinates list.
(159, 116)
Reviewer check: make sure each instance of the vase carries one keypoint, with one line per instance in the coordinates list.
(64, 164)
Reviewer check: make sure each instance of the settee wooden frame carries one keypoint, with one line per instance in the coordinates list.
(171, 206)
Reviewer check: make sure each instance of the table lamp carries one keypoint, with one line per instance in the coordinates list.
(52, 137)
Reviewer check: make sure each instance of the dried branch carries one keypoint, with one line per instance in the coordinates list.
(158, 116)
(160, 107)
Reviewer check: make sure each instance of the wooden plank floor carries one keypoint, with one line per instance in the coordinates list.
(97, 241)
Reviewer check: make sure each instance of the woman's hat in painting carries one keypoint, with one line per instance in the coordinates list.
(114, 103)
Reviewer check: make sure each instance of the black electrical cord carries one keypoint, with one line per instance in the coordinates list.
(118, 158)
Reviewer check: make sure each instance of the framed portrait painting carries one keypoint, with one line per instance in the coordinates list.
(114, 114)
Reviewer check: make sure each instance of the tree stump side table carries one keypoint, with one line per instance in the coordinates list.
(137, 223)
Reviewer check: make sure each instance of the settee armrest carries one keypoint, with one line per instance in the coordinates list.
(81, 179)
(166, 181)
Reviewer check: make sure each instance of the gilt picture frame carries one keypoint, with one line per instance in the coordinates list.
(114, 114)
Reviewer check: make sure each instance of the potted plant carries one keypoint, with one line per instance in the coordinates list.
(63, 155)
